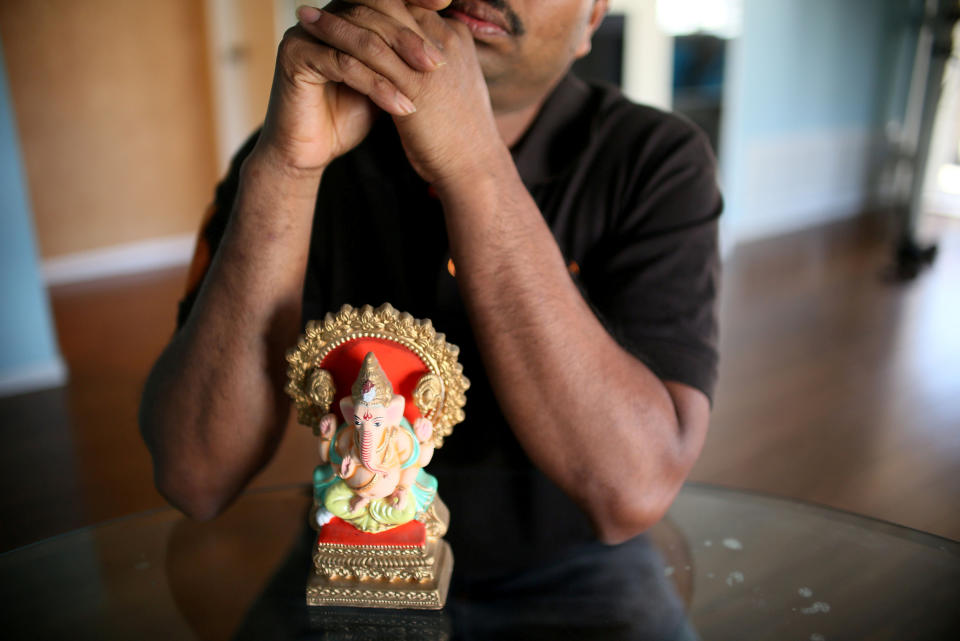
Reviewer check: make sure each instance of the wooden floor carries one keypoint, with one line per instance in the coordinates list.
(836, 387)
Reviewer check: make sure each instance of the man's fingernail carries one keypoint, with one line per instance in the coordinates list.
(308, 14)
(405, 104)
(435, 56)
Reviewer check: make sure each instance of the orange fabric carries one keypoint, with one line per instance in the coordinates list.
(402, 367)
(412, 534)
(200, 262)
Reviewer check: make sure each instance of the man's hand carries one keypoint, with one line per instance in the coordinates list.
(382, 49)
(323, 101)
(453, 136)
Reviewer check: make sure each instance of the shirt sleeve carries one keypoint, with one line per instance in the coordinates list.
(654, 278)
(211, 230)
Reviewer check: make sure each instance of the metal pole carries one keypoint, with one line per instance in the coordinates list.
(934, 48)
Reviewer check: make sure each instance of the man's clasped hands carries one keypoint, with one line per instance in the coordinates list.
(341, 65)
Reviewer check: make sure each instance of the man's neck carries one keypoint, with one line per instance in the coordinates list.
(513, 120)
(513, 124)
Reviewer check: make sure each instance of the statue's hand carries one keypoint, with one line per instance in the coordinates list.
(328, 425)
(348, 467)
(423, 428)
(398, 498)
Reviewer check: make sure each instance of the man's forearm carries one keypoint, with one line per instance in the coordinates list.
(590, 415)
(213, 408)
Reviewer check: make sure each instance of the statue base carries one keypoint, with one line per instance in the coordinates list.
(406, 567)
(382, 592)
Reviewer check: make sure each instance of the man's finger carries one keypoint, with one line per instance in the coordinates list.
(340, 66)
(399, 10)
(360, 58)
(297, 49)
(319, 63)
(393, 23)
(433, 5)
(435, 27)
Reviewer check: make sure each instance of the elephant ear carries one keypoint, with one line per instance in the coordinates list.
(395, 410)
(346, 409)
(419, 362)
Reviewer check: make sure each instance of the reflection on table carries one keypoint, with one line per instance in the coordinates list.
(741, 565)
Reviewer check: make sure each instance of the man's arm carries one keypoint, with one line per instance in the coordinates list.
(591, 416)
(213, 409)
(595, 419)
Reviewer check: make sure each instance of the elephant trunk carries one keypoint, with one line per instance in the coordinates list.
(368, 450)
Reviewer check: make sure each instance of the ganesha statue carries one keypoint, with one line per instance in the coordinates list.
(371, 474)
(381, 390)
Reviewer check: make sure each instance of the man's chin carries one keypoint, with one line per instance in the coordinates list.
(491, 59)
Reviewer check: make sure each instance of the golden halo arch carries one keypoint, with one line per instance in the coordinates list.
(439, 394)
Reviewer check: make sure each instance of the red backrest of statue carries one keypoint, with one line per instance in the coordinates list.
(401, 365)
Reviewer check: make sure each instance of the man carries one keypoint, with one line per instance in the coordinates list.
(400, 142)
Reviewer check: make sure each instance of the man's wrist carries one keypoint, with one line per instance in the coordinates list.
(264, 167)
(272, 202)
(490, 170)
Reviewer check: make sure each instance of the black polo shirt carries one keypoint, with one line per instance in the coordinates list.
(631, 197)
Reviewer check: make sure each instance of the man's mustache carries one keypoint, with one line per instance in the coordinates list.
(514, 24)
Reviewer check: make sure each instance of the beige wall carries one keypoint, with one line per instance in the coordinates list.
(243, 40)
(113, 108)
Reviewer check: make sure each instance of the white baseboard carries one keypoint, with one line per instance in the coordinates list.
(33, 377)
(942, 203)
(120, 260)
(800, 180)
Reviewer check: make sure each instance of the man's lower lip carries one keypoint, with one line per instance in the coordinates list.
(477, 27)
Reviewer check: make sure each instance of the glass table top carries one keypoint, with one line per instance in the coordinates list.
(744, 566)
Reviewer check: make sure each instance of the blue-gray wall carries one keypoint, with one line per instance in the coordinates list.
(811, 86)
(29, 357)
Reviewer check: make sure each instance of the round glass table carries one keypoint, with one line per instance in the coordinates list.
(744, 566)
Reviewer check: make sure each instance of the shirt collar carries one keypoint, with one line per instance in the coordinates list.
(560, 131)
